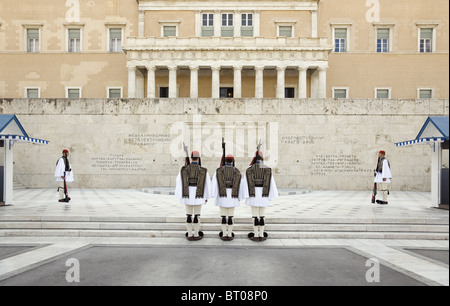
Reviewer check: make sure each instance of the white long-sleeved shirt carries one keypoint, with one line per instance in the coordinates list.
(193, 192)
(60, 171)
(385, 174)
(259, 200)
(229, 201)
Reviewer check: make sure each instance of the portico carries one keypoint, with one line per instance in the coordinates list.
(251, 62)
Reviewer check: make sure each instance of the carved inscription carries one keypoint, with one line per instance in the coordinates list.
(295, 139)
(337, 164)
(118, 163)
(146, 139)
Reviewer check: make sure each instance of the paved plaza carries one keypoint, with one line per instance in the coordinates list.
(38, 256)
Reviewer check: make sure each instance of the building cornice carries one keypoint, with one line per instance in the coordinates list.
(311, 5)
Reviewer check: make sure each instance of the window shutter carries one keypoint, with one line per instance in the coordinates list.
(73, 93)
(382, 93)
(247, 31)
(425, 94)
(426, 33)
(33, 33)
(207, 31)
(383, 33)
(170, 31)
(340, 33)
(74, 33)
(285, 31)
(115, 33)
(32, 93)
(114, 93)
(340, 93)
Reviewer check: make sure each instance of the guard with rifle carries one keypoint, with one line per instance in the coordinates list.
(63, 175)
(193, 188)
(227, 190)
(259, 189)
(382, 179)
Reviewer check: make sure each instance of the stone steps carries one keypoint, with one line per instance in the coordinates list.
(214, 234)
(238, 227)
(167, 227)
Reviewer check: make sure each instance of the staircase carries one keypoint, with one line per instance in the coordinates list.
(281, 228)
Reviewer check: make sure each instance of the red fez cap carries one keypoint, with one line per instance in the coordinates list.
(229, 156)
(195, 154)
(65, 151)
(382, 152)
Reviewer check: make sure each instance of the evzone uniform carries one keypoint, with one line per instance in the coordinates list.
(259, 189)
(383, 177)
(63, 175)
(193, 188)
(228, 192)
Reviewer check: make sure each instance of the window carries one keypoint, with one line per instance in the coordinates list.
(226, 92)
(340, 40)
(285, 31)
(425, 93)
(289, 92)
(227, 25)
(31, 93)
(74, 40)
(426, 40)
(383, 40)
(33, 40)
(340, 93)
(73, 92)
(169, 31)
(115, 40)
(208, 25)
(114, 93)
(164, 92)
(382, 93)
(247, 25)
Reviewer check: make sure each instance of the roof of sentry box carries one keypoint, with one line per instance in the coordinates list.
(10, 128)
(435, 129)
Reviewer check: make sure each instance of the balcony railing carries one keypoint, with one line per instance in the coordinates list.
(227, 43)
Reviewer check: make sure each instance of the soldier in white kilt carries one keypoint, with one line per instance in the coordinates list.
(63, 175)
(227, 190)
(193, 188)
(259, 189)
(383, 177)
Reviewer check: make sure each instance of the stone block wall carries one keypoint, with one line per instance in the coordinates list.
(319, 144)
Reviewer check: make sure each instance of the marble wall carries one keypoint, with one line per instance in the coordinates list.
(319, 144)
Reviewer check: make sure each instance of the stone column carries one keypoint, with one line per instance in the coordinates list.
(314, 24)
(131, 82)
(259, 82)
(217, 23)
(194, 82)
(237, 90)
(256, 23)
(8, 172)
(302, 72)
(198, 23)
(151, 82)
(237, 23)
(215, 82)
(280, 82)
(172, 81)
(322, 82)
(141, 25)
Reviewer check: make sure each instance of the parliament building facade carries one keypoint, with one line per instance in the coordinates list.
(224, 49)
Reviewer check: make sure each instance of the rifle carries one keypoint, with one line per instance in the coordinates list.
(187, 160)
(222, 162)
(258, 148)
(66, 193)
